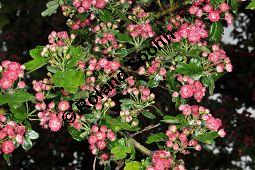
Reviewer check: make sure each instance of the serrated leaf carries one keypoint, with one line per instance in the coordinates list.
(17, 97)
(75, 133)
(50, 10)
(207, 138)
(31, 134)
(216, 31)
(133, 165)
(76, 53)
(123, 38)
(67, 80)
(20, 113)
(251, 5)
(156, 138)
(27, 144)
(38, 61)
(191, 69)
(148, 115)
(105, 16)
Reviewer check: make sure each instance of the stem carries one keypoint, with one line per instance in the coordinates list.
(141, 148)
(166, 11)
(94, 163)
(145, 129)
(160, 5)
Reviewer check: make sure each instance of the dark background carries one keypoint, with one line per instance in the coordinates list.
(22, 28)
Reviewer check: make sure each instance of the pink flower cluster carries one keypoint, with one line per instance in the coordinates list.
(11, 71)
(155, 68)
(139, 12)
(141, 30)
(218, 57)
(179, 141)
(99, 138)
(80, 24)
(85, 5)
(200, 115)
(96, 65)
(193, 32)
(192, 88)
(144, 92)
(201, 6)
(11, 133)
(58, 38)
(107, 43)
(161, 160)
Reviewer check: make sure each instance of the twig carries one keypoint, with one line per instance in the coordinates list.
(160, 5)
(147, 128)
(94, 164)
(120, 164)
(141, 148)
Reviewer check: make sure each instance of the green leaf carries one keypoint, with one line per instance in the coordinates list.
(234, 5)
(207, 138)
(179, 119)
(251, 5)
(38, 61)
(121, 149)
(156, 138)
(105, 16)
(149, 115)
(7, 159)
(31, 134)
(191, 70)
(69, 80)
(17, 97)
(216, 31)
(52, 7)
(75, 133)
(118, 125)
(20, 113)
(76, 54)
(107, 167)
(208, 81)
(133, 165)
(124, 38)
(170, 78)
(27, 144)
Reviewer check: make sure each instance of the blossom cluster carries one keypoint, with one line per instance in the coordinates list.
(85, 5)
(201, 116)
(179, 141)
(11, 134)
(213, 13)
(191, 88)
(143, 30)
(98, 140)
(11, 71)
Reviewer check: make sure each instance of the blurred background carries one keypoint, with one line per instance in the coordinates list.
(22, 28)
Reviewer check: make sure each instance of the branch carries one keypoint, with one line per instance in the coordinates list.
(141, 148)
(167, 11)
(145, 129)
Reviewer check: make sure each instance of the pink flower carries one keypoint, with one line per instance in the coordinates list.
(229, 18)
(207, 8)
(8, 146)
(224, 7)
(21, 85)
(186, 91)
(55, 123)
(63, 106)
(214, 16)
(213, 123)
(222, 133)
(39, 96)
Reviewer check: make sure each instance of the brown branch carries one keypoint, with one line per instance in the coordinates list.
(145, 129)
(120, 165)
(141, 148)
